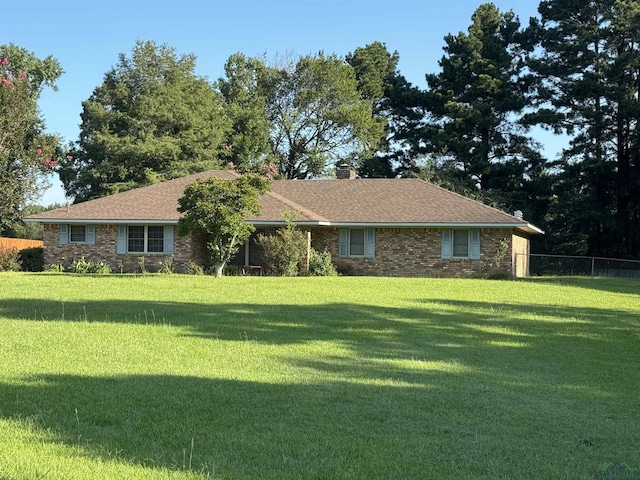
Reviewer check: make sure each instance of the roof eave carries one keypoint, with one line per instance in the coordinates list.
(520, 226)
(531, 229)
(277, 223)
(105, 221)
(524, 227)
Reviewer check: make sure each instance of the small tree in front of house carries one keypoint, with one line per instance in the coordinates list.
(217, 209)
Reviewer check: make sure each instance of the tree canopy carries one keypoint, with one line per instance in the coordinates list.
(395, 103)
(588, 89)
(27, 152)
(152, 119)
(216, 209)
(243, 89)
(303, 115)
(475, 103)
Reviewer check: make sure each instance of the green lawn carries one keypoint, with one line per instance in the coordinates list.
(187, 377)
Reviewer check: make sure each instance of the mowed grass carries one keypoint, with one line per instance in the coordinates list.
(144, 377)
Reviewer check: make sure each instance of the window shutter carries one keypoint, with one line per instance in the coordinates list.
(90, 238)
(446, 244)
(168, 239)
(63, 234)
(121, 243)
(343, 242)
(474, 244)
(370, 243)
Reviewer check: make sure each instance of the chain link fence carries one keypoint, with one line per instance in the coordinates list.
(563, 265)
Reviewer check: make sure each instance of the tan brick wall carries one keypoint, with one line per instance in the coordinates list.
(415, 252)
(105, 250)
(400, 252)
(520, 255)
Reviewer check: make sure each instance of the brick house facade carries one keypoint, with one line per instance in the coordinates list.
(421, 252)
(382, 227)
(419, 248)
(105, 250)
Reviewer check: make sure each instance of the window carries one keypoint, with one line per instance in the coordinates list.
(357, 242)
(461, 243)
(78, 234)
(145, 239)
(155, 239)
(135, 239)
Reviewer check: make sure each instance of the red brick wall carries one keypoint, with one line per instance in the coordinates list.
(415, 252)
(105, 250)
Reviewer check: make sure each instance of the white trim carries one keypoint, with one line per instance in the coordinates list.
(146, 241)
(304, 223)
(525, 227)
(135, 221)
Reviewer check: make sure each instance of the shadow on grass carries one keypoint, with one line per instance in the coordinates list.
(239, 429)
(463, 428)
(476, 335)
(382, 331)
(450, 389)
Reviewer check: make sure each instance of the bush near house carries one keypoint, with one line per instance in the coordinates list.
(9, 259)
(31, 259)
(320, 264)
(283, 251)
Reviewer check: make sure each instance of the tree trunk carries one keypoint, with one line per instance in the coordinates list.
(219, 267)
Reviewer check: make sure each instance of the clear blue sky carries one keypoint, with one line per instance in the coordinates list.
(86, 37)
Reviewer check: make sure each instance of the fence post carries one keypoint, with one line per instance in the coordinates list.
(593, 266)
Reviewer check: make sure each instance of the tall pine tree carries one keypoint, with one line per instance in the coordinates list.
(589, 85)
(476, 102)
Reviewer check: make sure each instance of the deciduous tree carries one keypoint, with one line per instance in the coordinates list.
(152, 119)
(318, 117)
(27, 152)
(243, 89)
(216, 209)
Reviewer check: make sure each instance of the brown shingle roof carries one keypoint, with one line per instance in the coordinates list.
(158, 202)
(387, 201)
(391, 202)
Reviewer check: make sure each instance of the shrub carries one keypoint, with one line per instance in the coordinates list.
(282, 251)
(494, 269)
(320, 264)
(194, 269)
(82, 266)
(100, 267)
(9, 260)
(231, 271)
(167, 265)
(54, 268)
(31, 259)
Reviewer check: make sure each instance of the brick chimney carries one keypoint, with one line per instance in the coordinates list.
(345, 172)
